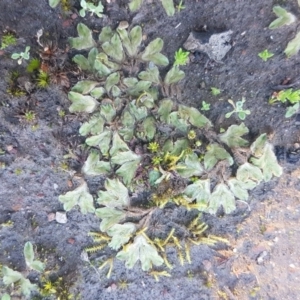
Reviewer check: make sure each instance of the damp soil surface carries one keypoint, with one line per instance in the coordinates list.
(41, 157)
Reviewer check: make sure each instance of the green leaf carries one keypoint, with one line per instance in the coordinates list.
(120, 233)
(92, 56)
(138, 112)
(111, 80)
(102, 69)
(174, 75)
(93, 126)
(98, 92)
(284, 17)
(139, 87)
(153, 176)
(108, 112)
(239, 188)
(135, 4)
(233, 136)
(127, 133)
(292, 110)
(106, 34)
(141, 250)
(81, 103)
(37, 266)
(179, 146)
(5, 297)
(86, 63)
(27, 287)
(151, 74)
(10, 276)
(293, 46)
(90, 7)
(28, 253)
(80, 196)
(169, 7)
(84, 86)
(147, 100)
(101, 140)
(221, 196)
(132, 41)
(84, 39)
(53, 3)
(110, 216)
(127, 170)
(29, 258)
(190, 167)
(15, 56)
(93, 166)
(158, 59)
(199, 191)
(268, 163)
(214, 154)
(146, 131)
(120, 158)
(127, 118)
(258, 146)
(82, 62)
(151, 53)
(116, 194)
(165, 109)
(117, 145)
(248, 173)
(193, 116)
(130, 81)
(115, 91)
(113, 48)
(177, 122)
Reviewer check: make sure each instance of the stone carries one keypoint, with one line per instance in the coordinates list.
(215, 45)
(61, 217)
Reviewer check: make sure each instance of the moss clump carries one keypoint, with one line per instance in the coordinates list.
(7, 40)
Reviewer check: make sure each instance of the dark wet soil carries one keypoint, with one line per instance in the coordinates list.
(42, 159)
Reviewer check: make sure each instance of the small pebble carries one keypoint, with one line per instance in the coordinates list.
(123, 25)
(261, 257)
(51, 217)
(112, 288)
(61, 217)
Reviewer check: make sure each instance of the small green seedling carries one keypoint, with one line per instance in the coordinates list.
(238, 108)
(215, 91)
(283, 17)
(205, 106)
(289, 96)
(181, 57)
(8, 40)
(22, 55)
(14, 277)
(90, 7)
(180, 6)
(43, 79)
(265, 55)
(29, 116)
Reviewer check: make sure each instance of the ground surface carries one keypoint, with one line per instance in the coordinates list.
(262, 261)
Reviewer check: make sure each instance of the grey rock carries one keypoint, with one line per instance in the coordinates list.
(215, 45)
